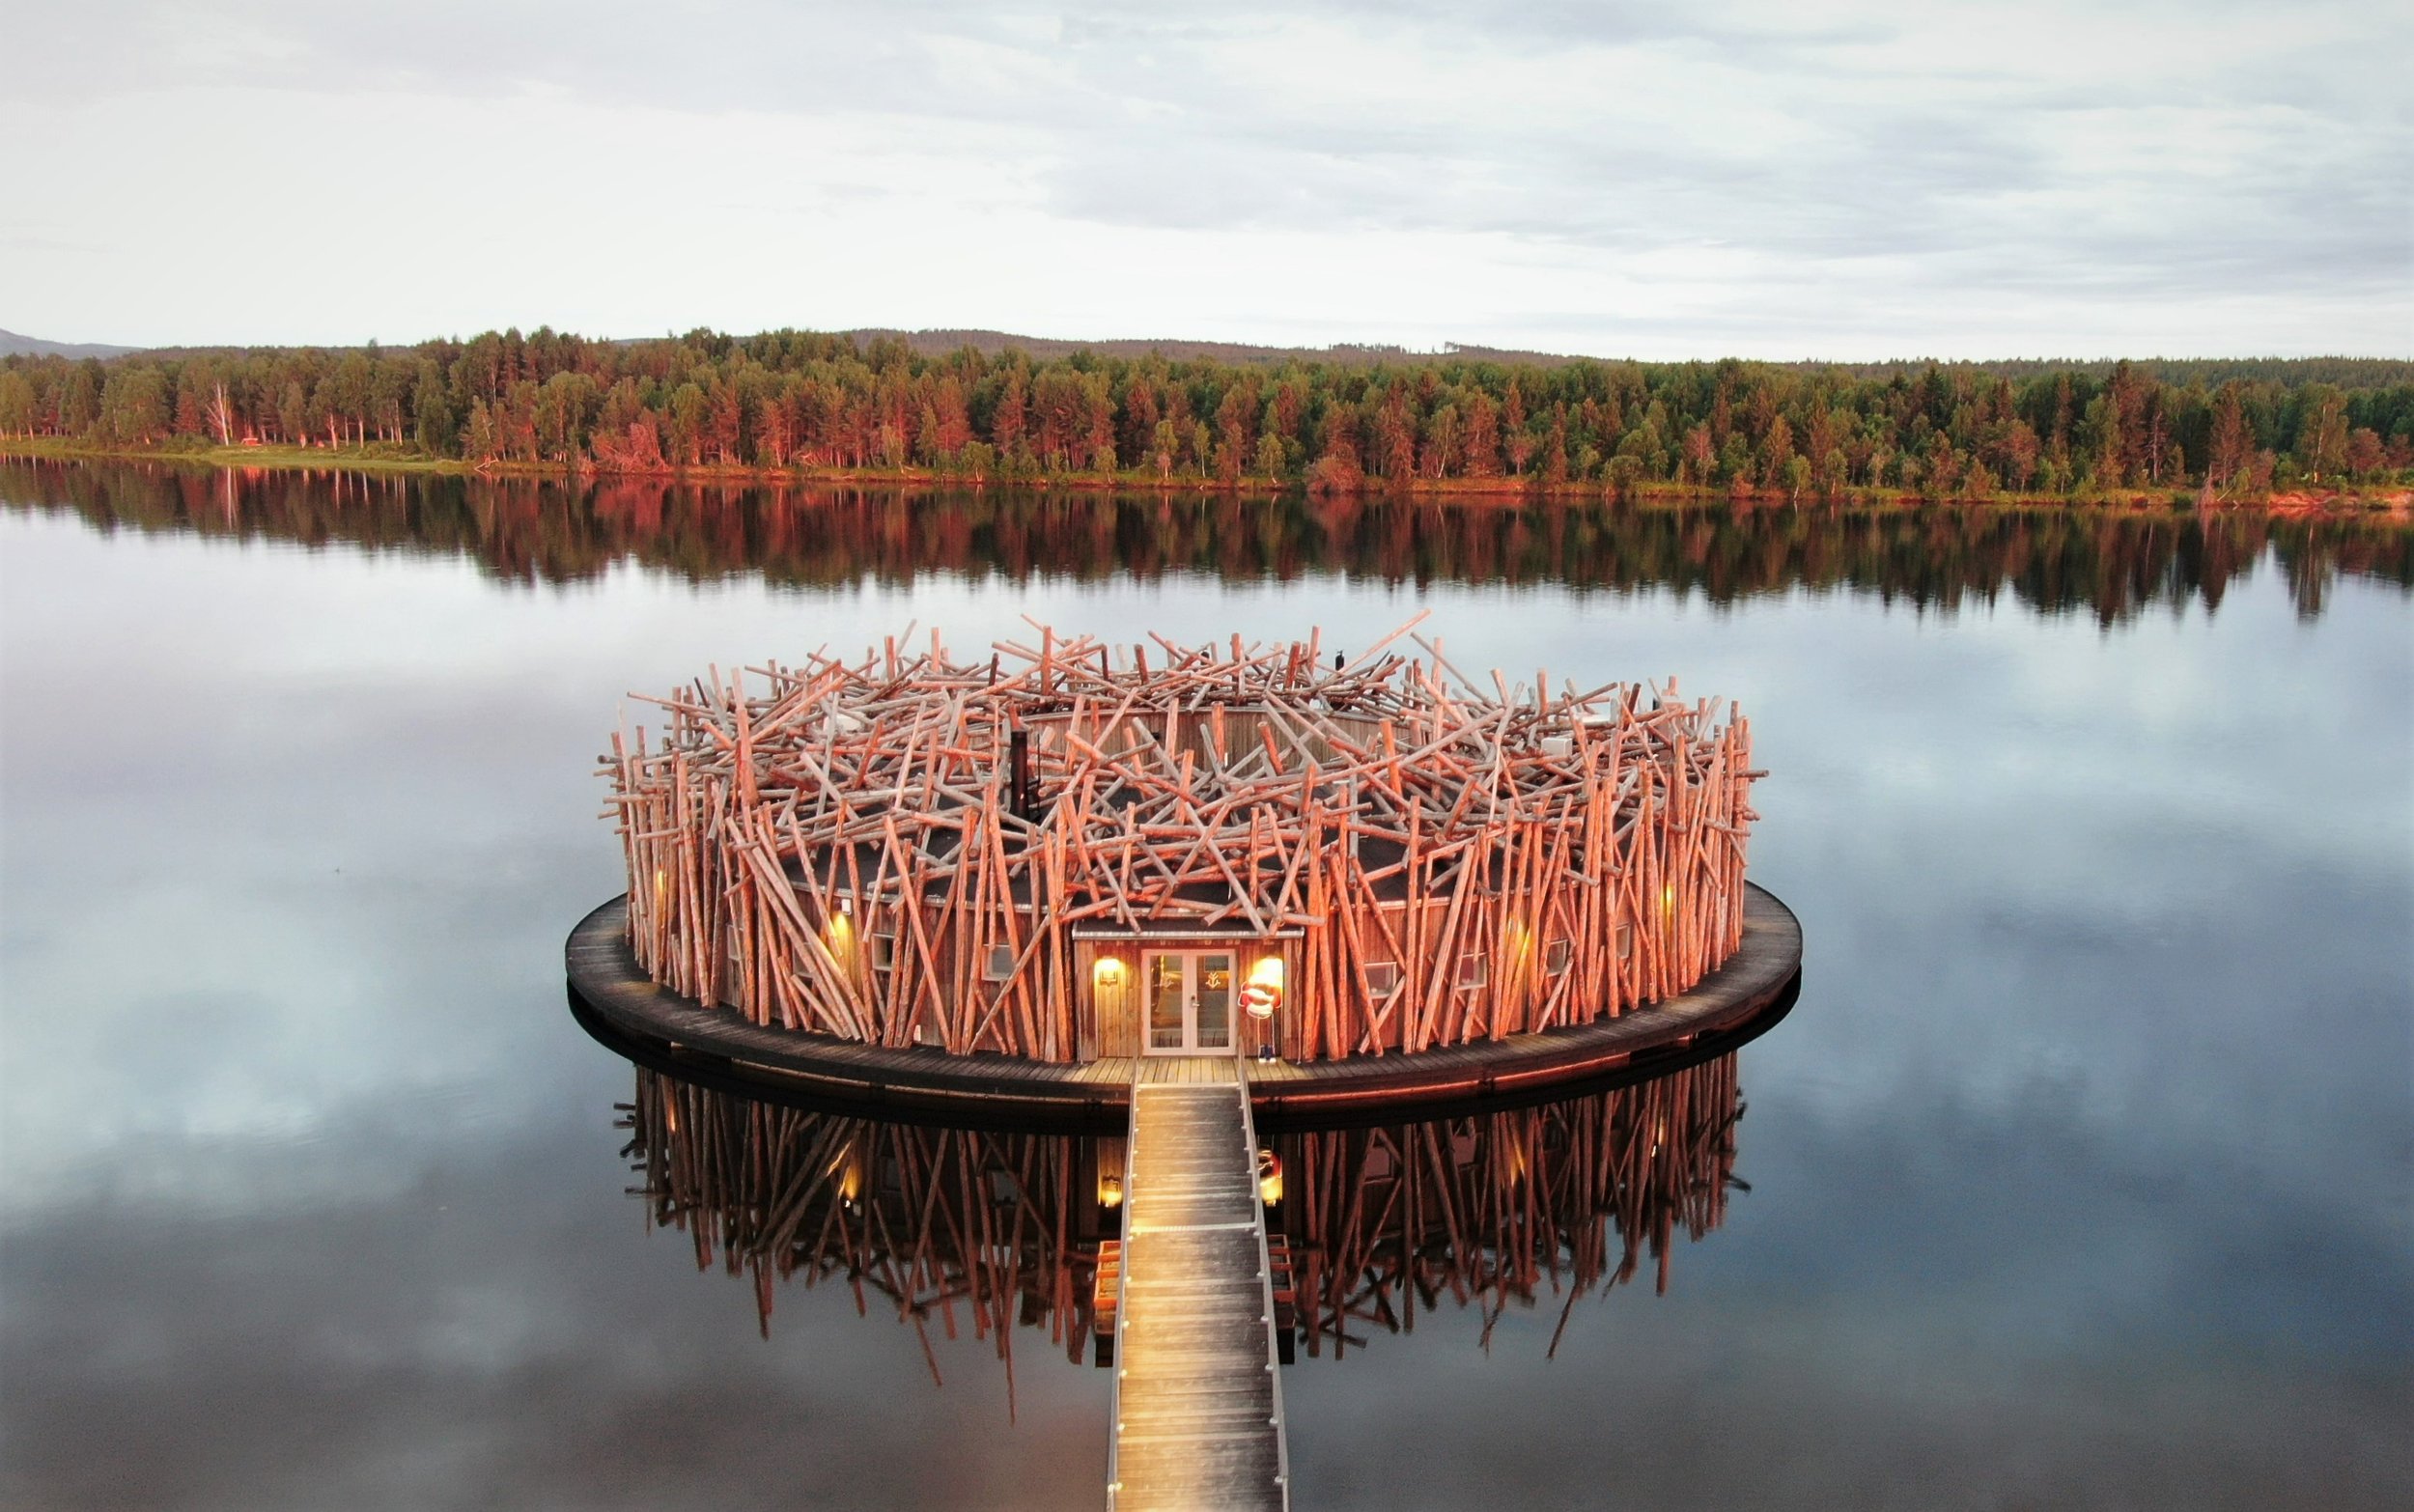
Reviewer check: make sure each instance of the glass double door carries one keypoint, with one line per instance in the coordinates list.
(1189, 1002)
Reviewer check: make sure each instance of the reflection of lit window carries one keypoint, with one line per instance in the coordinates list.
(1000, 962)
(1473, 970)
(884, 952)
(1382, 978)
(1558, 956)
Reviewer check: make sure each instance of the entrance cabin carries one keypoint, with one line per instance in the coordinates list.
(1072, 851)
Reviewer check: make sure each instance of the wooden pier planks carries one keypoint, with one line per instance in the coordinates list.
(1197, 1396)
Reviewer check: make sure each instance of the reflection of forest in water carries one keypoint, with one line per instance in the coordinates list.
(966, 1231)
(2111, 563)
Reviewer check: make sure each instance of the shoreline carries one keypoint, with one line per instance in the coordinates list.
(2394, 500)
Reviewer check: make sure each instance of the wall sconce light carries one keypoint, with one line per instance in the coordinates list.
(1269, 1177)
(1111, 1189)
(1264, 993)
(846, 1168)
(1107, 972)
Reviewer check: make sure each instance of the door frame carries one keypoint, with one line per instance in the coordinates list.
(1191, 953)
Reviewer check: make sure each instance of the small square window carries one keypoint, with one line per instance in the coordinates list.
(884, 952)
(1474, 970)
(1558, 956)
(1382, 978)
(1625, 941)
(1000, 962)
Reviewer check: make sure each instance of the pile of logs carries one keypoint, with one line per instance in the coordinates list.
(902, 849)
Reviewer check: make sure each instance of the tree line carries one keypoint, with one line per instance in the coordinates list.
(2111, 564)
(798, 402)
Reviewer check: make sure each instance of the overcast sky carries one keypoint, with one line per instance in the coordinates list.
(1845, 180)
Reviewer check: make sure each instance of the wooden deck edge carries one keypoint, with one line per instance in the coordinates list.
(636, 1016)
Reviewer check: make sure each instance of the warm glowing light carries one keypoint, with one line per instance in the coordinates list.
(847, 1167)
(1518, 937)
(1269, 1178)
(1110, 1189)
(1264, 993)
(1107, 972)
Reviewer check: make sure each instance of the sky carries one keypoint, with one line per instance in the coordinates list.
(1848, 179)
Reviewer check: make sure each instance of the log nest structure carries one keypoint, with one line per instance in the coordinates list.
(1068, 850)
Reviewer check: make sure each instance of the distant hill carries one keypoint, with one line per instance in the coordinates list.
(938, 343)
(11, 345)
(2348, 372)
(2345, 371)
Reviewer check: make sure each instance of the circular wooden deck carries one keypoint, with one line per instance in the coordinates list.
(622, 1006)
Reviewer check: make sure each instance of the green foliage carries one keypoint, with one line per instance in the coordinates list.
(1367, 417)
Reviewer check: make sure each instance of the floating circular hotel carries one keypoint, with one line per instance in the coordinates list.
(1085, 858)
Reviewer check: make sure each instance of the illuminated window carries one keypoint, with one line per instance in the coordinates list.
(1474, 970)
(1382, 978)
(1000, 962)
(1558, 956)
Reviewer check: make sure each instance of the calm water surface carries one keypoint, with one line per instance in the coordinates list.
(2083, 1174)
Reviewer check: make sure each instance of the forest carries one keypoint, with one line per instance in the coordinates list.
(816, 404)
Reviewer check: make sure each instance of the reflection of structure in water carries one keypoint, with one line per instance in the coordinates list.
(956, 1228)
(1501, 1209)
(962, 1230)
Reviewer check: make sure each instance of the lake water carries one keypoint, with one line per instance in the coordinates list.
(2082, 1174)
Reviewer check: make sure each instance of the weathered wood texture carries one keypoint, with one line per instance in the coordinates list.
(1197, 1401)
(900, 851)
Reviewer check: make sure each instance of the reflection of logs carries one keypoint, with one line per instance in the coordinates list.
(997, 1231)
(1490, 1210)
(964, 1227)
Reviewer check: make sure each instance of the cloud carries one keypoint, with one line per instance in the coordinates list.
(2081, 159)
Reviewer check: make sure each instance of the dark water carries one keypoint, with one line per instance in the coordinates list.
(2083, 1174)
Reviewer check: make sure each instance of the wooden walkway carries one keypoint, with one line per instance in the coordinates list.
(1197, 1397)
